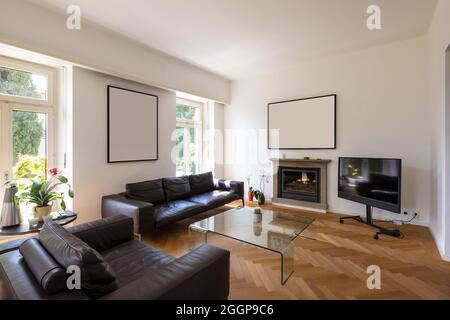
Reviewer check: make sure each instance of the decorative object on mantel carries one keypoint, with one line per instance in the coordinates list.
(307, 158)
(43, 194)
(10, 214)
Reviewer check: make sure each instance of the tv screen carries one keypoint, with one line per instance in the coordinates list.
(374, 182)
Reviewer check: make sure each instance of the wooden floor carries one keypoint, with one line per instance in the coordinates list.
(333, 266)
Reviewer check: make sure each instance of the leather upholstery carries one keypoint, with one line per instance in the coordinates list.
(201, 183)
(149, 191)
(131, 259)
(202, 274)
(20, 284)
(229, 185)
(214, 198)
(176, 210)
(48, 273)
(141, 212)
(176, 188)
(97, 277)
(106, 233)
(199, 190)
(142, 272)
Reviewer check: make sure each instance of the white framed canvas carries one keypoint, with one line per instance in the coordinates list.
(132, 125)
(308, 123)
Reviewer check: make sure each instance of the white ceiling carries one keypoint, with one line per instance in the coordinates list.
(242, 38)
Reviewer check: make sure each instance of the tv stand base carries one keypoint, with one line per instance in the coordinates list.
(368, 221)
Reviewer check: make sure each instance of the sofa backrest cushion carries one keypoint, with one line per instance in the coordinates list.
(201, 183)
(97, 278)
(50, 275)
(176, 188)
(149, 191)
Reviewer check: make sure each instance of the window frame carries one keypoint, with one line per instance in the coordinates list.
(192, 124)
(29, 67)
(7, 130)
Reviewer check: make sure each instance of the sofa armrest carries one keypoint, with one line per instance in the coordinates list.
(229, 185)
(141, 212)
(202, 274)
(105, 233)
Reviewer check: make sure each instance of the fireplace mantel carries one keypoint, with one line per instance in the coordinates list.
(300, 160)
(321, 164)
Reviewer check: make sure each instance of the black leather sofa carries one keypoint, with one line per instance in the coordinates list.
(113, 266)
(157, 203)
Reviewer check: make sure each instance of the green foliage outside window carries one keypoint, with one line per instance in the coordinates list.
(18, 83)
(27, 129)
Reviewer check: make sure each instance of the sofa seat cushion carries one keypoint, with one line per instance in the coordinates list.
(131, 259)
(214, 198)
(148, 191)
(176, 210)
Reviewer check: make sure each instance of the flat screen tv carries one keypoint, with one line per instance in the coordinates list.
(370, 181)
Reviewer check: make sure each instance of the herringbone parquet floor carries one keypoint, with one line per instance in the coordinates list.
(333, 266)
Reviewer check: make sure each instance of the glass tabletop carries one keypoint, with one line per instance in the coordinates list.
(273, 230)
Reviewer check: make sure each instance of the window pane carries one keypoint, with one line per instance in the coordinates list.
(29, 147)
(180, 166)
(23, 84)
(187, 112)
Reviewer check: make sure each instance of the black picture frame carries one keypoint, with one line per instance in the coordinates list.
(309, 98)
(109, 87)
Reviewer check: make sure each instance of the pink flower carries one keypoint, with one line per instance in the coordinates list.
(54, 172)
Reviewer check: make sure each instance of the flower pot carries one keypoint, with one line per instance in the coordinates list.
(261, 199)
(41, 212)
(250, 196)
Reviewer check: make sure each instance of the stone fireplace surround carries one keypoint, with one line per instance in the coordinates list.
(302, 163)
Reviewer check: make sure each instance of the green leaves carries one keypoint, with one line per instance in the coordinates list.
(42, 193)
(62, 179)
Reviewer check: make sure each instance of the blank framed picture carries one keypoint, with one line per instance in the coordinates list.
(132, 125)
(308, 123)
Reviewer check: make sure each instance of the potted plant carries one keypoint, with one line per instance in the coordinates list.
(259, 195)
(43, 194)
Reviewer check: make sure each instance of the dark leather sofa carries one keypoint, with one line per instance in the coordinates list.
(157, 203)
(113, 266)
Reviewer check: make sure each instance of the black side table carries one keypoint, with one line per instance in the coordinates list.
(62, 219)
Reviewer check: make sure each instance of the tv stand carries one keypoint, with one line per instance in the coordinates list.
(369, 221)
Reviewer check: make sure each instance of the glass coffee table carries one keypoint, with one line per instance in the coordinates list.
(271, 230)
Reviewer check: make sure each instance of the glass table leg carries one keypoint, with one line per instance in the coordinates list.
(197, 237)
(287, 262)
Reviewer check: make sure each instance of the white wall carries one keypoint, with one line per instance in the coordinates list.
(381, 112)
(93, 177)
(34, 28)
(438, 41)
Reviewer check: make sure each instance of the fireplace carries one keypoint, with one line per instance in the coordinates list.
(299, 184)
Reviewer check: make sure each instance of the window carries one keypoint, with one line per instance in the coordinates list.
(27, 110)
(29, 146)
(23, 84)
(188, 137)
